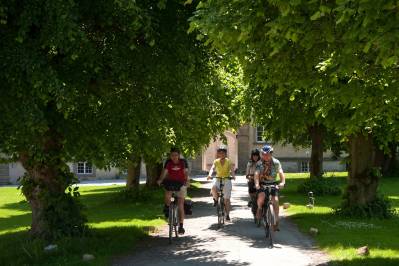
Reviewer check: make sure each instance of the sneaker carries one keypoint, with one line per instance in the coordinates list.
(215, 202)
(166, 211)
(227, 217)
(181, 230)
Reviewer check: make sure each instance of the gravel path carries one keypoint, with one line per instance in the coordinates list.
(239, 242)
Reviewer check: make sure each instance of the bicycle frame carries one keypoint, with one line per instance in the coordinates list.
(268, 215)
(220, 205)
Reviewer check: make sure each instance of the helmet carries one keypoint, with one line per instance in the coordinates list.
(254, 152)
(267, 149)
(222, 148)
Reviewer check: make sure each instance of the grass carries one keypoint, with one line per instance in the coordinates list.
(340, 237)
(115, 226)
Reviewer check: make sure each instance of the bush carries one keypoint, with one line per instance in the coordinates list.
(379, 208)
(139, 195)
(320, 186)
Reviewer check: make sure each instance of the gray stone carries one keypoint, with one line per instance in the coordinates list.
(286, 205)
(88, 257)
(313, 231)
(51, 248)
(363, 251)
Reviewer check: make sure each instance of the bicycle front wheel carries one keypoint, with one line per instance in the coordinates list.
(222, 206)
(171, 222)
(269, 223)
(175, 221)
(219, 214)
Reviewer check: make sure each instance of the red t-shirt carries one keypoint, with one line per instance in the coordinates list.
(176, 171)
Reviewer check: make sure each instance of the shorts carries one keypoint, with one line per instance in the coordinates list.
(171, 185)
(227, 187)
(274, 191)
(251, 186)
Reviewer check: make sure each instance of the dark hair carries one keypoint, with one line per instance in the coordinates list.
(255, 152)
(174, 149)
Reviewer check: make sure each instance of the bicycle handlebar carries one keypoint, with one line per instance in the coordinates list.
(228, 177)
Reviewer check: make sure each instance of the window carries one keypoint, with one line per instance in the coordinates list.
(304, 167)
(85, 168)
(259, 134)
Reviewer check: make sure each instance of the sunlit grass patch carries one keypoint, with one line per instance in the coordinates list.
(340, 237)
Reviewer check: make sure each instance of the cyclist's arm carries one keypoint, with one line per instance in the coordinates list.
(257, 179)
(232, 171)
(211, 171)
(247, 170)
(282, 178)
(163, 175)
(186, 177)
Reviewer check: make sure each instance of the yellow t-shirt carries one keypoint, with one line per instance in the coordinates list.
(222, 170)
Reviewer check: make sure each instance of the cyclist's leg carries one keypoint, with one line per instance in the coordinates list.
(167, 198)
(276, 207)
(214, 190)
(182, 195)
(227, 195)
(251, 191)
(261, 201)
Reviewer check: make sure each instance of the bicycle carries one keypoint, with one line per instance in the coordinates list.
(268, 216)
(173, 212)
(220, 206)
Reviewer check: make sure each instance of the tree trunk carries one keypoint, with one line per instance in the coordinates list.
(54, 212)
(316, 158)
(363, 177)
(133, 172)
(154, 170)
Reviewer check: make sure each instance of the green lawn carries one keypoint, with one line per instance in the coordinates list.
(115, 224)
(341, 237)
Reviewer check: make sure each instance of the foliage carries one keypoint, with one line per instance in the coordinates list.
(381, 208)
(102, 82)
(320, 187)
(327, 63)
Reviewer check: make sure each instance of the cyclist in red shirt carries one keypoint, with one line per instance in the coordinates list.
(176, 173)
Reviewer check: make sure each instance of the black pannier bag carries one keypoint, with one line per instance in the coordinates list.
(188, 207)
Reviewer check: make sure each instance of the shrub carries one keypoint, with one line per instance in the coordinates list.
(320, 186)
(379, 208)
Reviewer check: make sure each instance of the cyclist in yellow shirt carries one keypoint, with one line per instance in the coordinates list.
(224, 170)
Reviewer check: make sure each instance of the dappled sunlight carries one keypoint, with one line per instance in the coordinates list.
(340, 236)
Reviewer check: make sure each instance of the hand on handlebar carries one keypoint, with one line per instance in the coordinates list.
(159, 182)
(257, 187)
(281, 185)
(208, 177)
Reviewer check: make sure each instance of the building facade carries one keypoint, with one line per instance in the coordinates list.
(248, 138)
(9, 173)
(239, 146)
